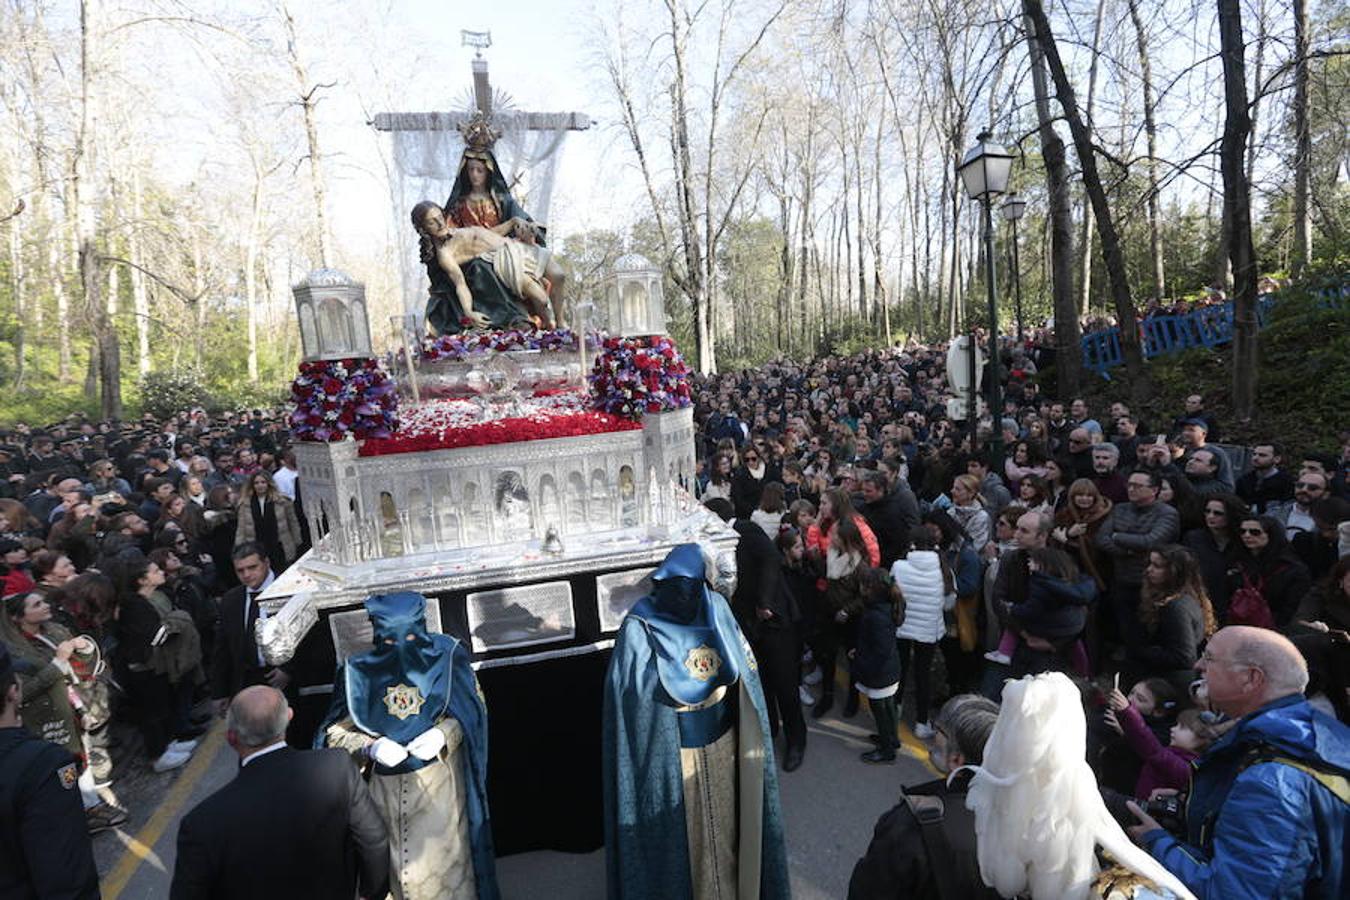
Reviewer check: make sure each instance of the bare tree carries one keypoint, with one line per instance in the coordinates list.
(1068, 334)
(1237, 207)
(1151, 132)
(707, 188)
(1085, 233)
(1302, 253)
(1106, 228)
(307, 94)
(84, 189)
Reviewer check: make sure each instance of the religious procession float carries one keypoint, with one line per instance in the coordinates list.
(524, 476)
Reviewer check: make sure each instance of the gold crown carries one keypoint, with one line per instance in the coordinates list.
(478, 132)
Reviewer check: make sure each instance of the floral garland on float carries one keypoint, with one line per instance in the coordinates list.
(450, 424)
(455, 347)
(638, 375)
(356, 398)
(340, 398)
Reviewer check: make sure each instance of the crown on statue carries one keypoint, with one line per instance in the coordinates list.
(478, 132)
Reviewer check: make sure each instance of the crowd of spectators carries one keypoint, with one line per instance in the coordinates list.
(913, 565)
(117, 541)
(922, 566)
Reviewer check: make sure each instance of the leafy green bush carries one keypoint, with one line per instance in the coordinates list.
(243, 395)
(165, 393)
(1303, 386)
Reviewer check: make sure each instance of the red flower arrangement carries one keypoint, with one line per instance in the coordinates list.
(338, 398)
(500, 431)
(637, 375)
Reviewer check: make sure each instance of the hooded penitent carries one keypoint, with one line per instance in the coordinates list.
(412, 682)
(691, 793)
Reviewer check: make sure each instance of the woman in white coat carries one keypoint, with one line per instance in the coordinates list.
(925, 581)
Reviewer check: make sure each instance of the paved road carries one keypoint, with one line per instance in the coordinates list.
(829, 807)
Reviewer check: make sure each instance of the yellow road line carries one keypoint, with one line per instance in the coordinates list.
(142, 845)
(911, 744)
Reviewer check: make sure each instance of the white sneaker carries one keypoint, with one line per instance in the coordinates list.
(995, 656)
(804, 695)
(923, 731)
(183, 746)
(171, 759)
(812, 677)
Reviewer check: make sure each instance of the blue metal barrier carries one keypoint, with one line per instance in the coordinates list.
(1208, 326)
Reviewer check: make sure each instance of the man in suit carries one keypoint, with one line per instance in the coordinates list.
(237, 662)
(293, 824)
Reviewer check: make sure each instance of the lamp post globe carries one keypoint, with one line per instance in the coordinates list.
(984, 172)
(985, 168)
(1014, 207)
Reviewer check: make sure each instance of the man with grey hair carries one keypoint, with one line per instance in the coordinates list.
(293, 823)
(1268, 815)
(1106, 472)
(925, 845)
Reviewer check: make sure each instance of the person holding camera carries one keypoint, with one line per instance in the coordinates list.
(1268, 814)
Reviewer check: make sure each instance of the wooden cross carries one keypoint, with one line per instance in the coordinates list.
(482, 92)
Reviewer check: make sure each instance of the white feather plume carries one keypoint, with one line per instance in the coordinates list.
(1038, 812)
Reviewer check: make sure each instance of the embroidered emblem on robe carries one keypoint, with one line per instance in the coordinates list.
(403, 700)
(68, 775)
(703, 662)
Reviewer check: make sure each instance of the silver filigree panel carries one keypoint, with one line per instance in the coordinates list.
(521, 616)
(616, 592)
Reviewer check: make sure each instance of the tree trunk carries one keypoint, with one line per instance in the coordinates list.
(694, 286)
(1106, 226)
(198, 291)
(140, 295)
(56, 272)
(860, 212)
(1258, 72)
(1151, 133)
(782, 321)
(804, 250)
(1068, 334)
(1302, 253)
(879, 297)
(17, 285)
(251, 272)
(308, 98)
(1085, 242)
(84, 191)
(1237, 205)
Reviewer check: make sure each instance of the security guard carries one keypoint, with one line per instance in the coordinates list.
(44, 843)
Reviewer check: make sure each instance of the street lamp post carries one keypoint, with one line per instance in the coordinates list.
(984, 171)
(1013, 208)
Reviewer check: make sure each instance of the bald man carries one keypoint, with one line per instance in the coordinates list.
(292, 824)
(1268, 814)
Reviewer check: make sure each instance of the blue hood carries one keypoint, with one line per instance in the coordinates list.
(1292, 724)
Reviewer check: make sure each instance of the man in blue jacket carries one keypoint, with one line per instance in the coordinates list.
(1269, 804)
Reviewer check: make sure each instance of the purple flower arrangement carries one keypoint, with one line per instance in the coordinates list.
(339, 398)
(637, 375)
(464, 344)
